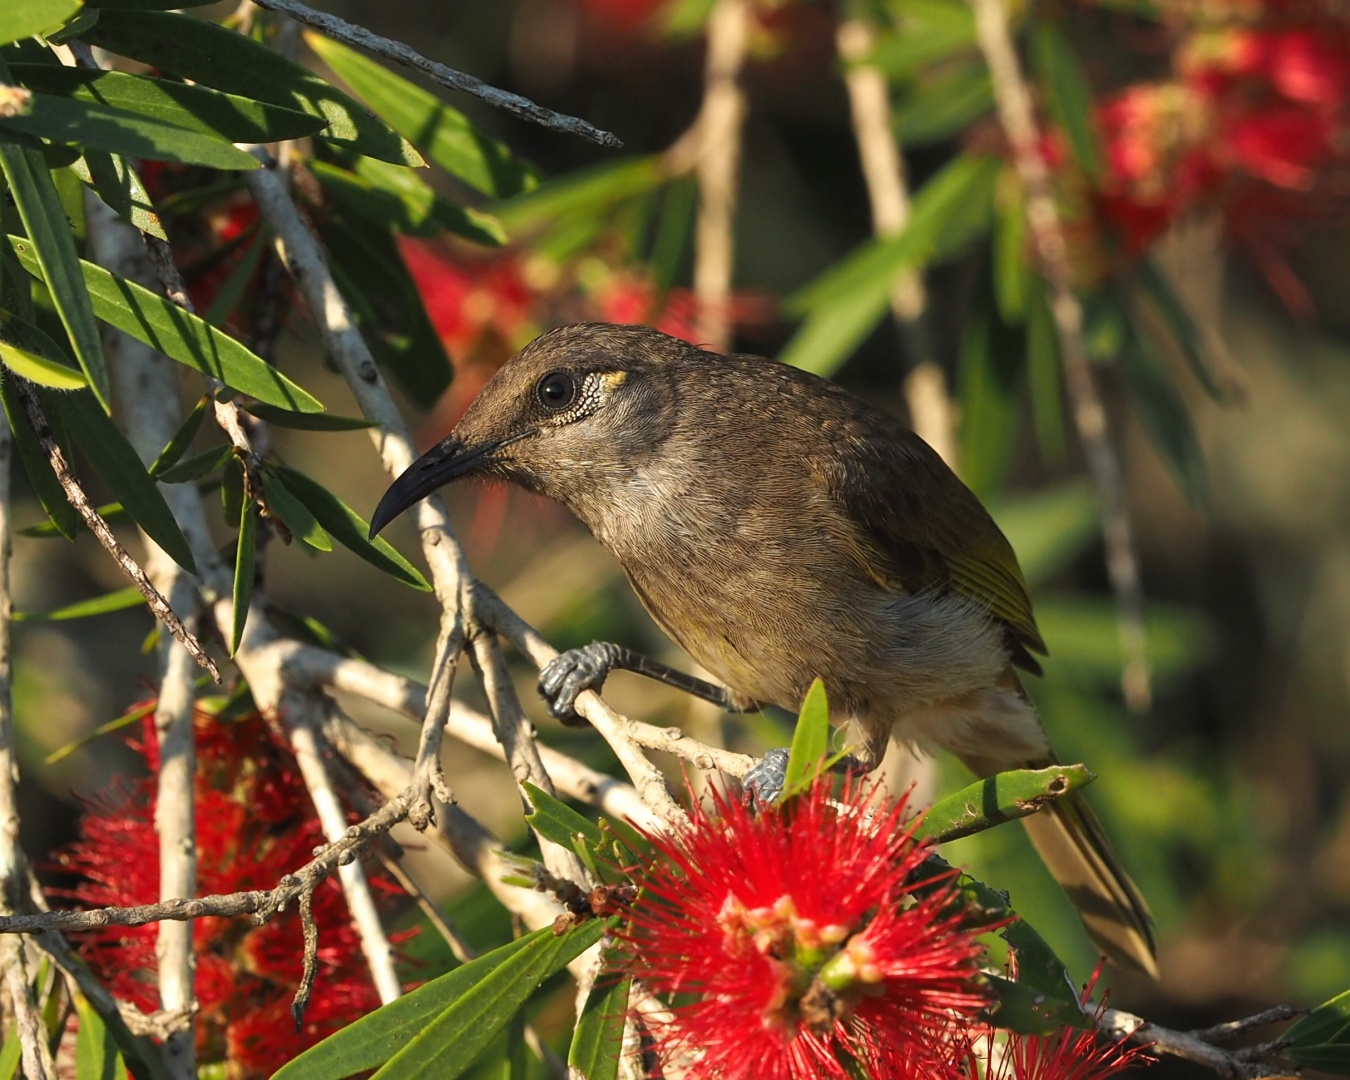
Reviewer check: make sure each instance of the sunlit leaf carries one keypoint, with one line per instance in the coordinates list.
(993, 800)
(245, 567)
(810, 741)
(27, 351)
(597, 1041)
(214, 56)
(62, 516)
(118, 600)
(24, 18)
(114, 181)
(96, 1053)
(306, 421)
(1067, 94)
(293, 513)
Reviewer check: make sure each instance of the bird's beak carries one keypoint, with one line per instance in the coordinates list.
(448, 460)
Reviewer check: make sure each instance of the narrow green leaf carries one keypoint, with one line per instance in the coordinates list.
(304, 421)
(63, 517)
(1024, 1009)
(118, 600)
(1005, 796)
(114, 181)
(27, 351)
(1321, 1040)
(447, 135)
(10, 1053)
(245, 567)
(181, 439)
(584, 193)
(991, 356)
(1050, 527)
(1084, 637)
(597, 1041)
(1165, 417)
(1045, 375)
(1067, 93)
(24, 18)
(448, 1045)
(926, 31)
(378, 1036)
(232, 290)
(349, 529)
(1184, 329)
(125, 720)
(943, 103)
(214, 56)
(293, 513)
(197, 466)
(1012, 270)
(196, 108)
(148, 5)
(810, 741)
(62, 119)
(51, 249)
(184, 337)
(843, 305)
(96, 1053)
(555, 820)
(118, 465)
(109, 512)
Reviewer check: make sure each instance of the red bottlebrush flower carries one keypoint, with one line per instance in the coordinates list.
(466, 299)
(1281, 144)
(1069, 1054)
(255, 823)
(791, 946)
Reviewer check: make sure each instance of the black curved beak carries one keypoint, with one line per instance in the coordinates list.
(448, 460)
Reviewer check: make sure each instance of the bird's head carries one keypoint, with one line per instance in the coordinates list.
(573, 412)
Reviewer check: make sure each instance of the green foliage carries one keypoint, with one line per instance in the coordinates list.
(993, 800)
(598, 1039)
(810, 741)
(1321, 1040)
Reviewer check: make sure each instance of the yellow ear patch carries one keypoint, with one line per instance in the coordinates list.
(612, 380)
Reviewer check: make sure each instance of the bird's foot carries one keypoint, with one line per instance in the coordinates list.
(571, 672)
(765, 781)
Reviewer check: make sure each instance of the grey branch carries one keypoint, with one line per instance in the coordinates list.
(1199, 1047)
(341, 30)
(75, 494)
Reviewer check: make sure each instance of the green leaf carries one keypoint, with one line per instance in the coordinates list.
(810, 742)
(1067, 93)
(181, 439)
(305, 421)
(555, 820)
(991, 357)
(51, 248)
(63, 517)
(1005, 796)
(584, 193)
(120, 187)
(195, 108)
(1024, 1009)
(184, 337)
(943, 104)
(118, 600)
(96, 1053)
(27, 351)
(232, 290)
(1051, 527)
(118, 131)
(293, 513)
(448, 1045)
(119, 466)
(211, 55)
(1165, 417)
(843, 305)
(1084, 637)
(926, 31)
(1045, 375)
(597, 1041)
(1012, 271)
(197, 466)
(349, 529)
(245, 567)
(447, 135)
(10, 1053)
(24, 18)
(1183, 328)
(1321, 1040)
(376, 1037)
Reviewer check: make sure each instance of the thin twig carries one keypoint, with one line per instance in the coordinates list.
(429, 778)
(883, 166)
(77, 498)
(1017, 116)
(718, 167)
(141, 374)
(341, 30)
(36, 1059)
(263, 905)
(302, 725)
(1197, 1047)
(309, 962)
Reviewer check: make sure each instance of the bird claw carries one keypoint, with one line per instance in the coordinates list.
(764, 782)
(568, 674)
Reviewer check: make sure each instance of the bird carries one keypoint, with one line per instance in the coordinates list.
(781, 529)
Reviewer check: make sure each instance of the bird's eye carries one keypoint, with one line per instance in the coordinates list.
(557, 390)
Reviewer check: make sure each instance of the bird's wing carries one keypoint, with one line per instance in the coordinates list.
(919, 527)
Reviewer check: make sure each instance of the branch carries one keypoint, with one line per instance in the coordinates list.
(37, 1061)
(77, 498)
(263, 905)
(1198, 1047)
(719, 155)
(1017, 116)
(341, 30)
(883, 166)
(147, 384)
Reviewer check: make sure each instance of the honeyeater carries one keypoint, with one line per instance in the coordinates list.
(781, 529)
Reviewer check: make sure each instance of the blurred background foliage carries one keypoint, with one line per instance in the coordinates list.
(1200, 157)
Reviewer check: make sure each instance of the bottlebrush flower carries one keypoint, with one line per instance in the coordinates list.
(791, 948)
(1068, 1054)
(255, 823)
